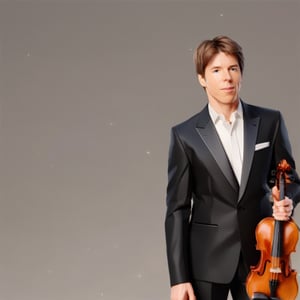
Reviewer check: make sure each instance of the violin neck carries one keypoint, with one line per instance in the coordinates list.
(277, 237)
(281, 187)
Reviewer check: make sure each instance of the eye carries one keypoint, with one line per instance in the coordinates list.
(234, 69)
(215, 71)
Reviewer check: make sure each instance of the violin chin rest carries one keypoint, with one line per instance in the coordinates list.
(260, 296)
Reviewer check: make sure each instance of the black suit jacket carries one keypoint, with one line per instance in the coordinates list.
(210, 219)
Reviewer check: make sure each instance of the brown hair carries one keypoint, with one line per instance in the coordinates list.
(209, 48)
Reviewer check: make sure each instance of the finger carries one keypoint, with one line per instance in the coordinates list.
(282, 213)
(288, 203)
(192, 296)
(281, 217)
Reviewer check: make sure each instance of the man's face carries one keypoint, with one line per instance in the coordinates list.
(222, 80)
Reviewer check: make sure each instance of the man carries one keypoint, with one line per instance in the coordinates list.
(220, 164)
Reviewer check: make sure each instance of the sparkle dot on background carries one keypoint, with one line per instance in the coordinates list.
(139, 276)
(28, 54)
(148, 152)
(101, 294)
(221, 15)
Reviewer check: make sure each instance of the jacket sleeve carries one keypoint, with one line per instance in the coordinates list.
(283, 150)
(178, 211)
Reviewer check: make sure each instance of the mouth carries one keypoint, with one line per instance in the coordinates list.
(229, 88)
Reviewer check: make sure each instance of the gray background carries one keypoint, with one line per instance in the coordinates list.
(89, 91)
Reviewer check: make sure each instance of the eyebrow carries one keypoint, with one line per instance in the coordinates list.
(219, 67)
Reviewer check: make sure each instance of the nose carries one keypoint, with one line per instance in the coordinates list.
(227, 75)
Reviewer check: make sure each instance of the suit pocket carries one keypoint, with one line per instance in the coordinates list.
(205, 224)
(203, 233)
(261, 146)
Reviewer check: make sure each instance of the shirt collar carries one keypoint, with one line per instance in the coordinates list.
(238, 113)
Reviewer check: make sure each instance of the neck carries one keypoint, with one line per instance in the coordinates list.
(225, 109)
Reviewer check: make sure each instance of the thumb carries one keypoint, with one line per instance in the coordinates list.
(191, 294)
(275, 193)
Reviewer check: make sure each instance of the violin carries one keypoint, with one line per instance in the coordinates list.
(273, 278)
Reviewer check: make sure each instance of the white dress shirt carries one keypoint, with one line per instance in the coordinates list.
(232, 137)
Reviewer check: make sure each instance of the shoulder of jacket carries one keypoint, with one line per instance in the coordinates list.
(262, 111)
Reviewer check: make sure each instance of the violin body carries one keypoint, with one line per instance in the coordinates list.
(259, 277)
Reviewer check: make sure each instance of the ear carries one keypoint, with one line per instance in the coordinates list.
(202, 80)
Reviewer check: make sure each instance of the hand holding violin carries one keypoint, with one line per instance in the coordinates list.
(282, 208)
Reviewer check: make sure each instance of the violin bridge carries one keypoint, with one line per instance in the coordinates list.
(275, 270)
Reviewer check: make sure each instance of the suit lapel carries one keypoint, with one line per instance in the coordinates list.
(251, 124)
(210, 137)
